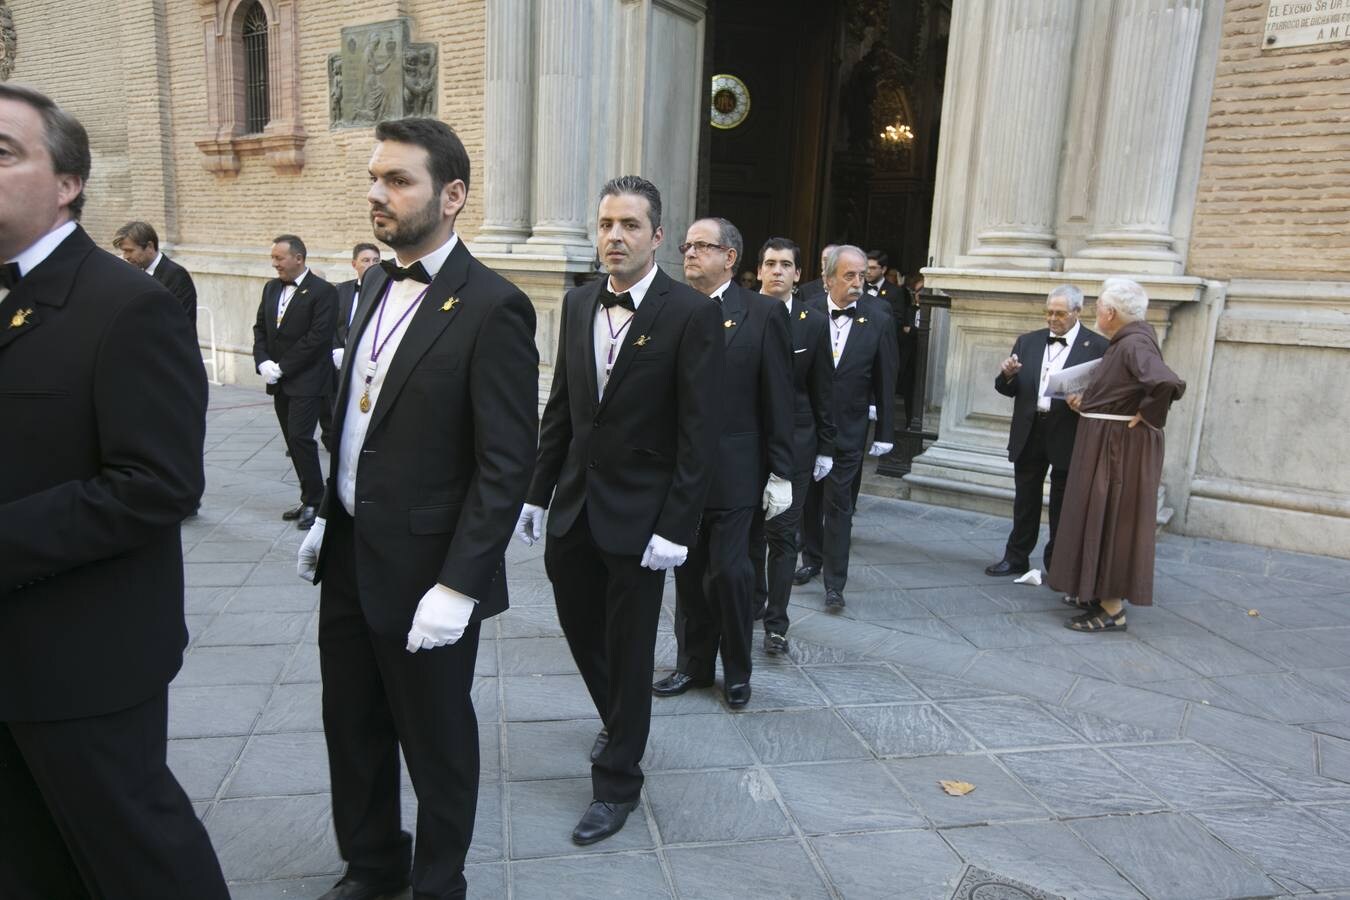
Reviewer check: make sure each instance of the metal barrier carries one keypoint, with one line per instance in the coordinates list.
(211, 361)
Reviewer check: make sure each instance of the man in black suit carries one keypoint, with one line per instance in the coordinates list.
(714, 590)
(907, 312)
(877, 285)
(863, 348)
(1043, 429)
(139, 245)
(626, 453)
(436, 424)
(348, 293)
(813, 432)
(814, 291)
(292, 346)
(103, 399)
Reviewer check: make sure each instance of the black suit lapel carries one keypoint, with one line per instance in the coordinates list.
(733, 313)
(48, 284)
(860, 333)
(589, 308)
(1078, 352)
(1035, 355)
(642, 335)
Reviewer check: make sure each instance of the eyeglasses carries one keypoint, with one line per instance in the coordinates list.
(700, 247)
(1056, 314)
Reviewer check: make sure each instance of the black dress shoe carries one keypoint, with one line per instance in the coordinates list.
(738, 694)
(1003, 567)
(601, 742)
(306, 520)
(600, 821)
(774, 644)
(834, 601)
(676, 683)
(291, 515)
(353, 888)
(805, 574)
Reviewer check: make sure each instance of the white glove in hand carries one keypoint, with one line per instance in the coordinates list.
(270, 371)
(777, 496)
(337, 357)
(871, 413)
(307, 562)
(530, 525)
(441, 617)
(823, 466)
(880, 448)
(662, 554)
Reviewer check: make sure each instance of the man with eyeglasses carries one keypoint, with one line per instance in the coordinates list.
(1042, 432)
(714, 589)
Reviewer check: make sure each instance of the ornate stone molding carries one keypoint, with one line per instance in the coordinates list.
(9, 42)
(282, 140)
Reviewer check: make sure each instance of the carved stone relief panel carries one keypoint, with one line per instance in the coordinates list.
(379, 73)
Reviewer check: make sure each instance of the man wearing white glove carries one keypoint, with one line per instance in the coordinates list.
(625, 455)
(715, 589)
(812, 434)
(436, 423)
(864, 350)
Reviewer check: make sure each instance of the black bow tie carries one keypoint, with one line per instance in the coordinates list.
(9, 275)
(417, 272)
(286, 282)
(849, 311)
(1056, 340)
(611, 300)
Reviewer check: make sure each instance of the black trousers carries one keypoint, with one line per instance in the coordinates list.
(326, 418)
(297, 417)
(89, 809)
(714, 597)
(608, 606)
(376, 697)
(759, 548)
(827, 521)
(782, 535)
(1028, 481)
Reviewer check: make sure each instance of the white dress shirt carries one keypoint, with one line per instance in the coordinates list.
(840, 328)
(287, 292)
(399, 299)
(610, 328)
(717, 294)
(154, 264)
(1052, 361)
(40, 249)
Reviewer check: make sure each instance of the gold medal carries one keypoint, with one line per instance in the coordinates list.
(20, 318)
(365, 402)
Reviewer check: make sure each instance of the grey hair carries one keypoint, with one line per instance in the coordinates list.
(1126, 297)
(1072, 295)
(729, 235)
(639, 186)
(832, 258)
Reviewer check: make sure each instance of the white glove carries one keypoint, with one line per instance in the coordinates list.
(307, 562)
(662, 554)
(880, 448)
(823, 466)
(871, 413)
(270, 371)
(777, 496)
(530, 525)
(441, 617)
(337, 357)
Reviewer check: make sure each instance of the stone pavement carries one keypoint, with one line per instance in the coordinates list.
(1203, 754)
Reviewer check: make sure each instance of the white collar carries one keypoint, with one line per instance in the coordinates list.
(717, 294)
(1069, 336)
(154, 263)
(639, 290)
(299, 278)
(42, 248)
(830, 307)
(433, 261)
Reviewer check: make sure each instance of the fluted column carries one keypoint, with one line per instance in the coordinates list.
(1148, 89)
(1025, 105)
(508, 127)
(563, 64)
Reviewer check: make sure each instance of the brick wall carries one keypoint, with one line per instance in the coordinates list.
(1274, 196)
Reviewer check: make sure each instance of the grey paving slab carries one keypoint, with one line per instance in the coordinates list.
(297, 598)
(1132, 662)
(201, 764)
(724, 805)
(1011, 722)
(280, 764)
(859, 684)
(1284, 697)
(253, 629)
(761, 870)
(1170, 855)
(542, 814)
(1079, 782)
(1333, 758)
(1285, 842)
(274, 837)
(917, 865)
(844, 797)
(216, 574)
(943, 687)
(918, 729)
(216, 711)
(696, 742)
(1252, 736)
(998, 797)
(1045, 855)
(535, 656)
(1189, 777)
(546, 697)
(232, 665)
(293, 707)
(809, 735)
(549, 750)
(782, 687)
(613, 875)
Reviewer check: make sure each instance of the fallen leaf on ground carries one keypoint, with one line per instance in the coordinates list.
(957, 788)
(1253, 612)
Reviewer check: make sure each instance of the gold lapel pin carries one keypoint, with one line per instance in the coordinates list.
(803, 315)
(862, 320)
(20, 318)
(642, 341)
(729, 323)
(449, 304)
(304, 290)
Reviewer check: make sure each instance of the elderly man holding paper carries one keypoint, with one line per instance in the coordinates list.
(1041, 438)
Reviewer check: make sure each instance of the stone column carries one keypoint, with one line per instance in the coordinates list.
(509, 128)
(1148, 87)
(563, 61)
(1025, 105)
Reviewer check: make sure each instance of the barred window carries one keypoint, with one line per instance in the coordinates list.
(256, 107)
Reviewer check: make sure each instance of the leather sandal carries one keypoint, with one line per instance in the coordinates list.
(1097, 619)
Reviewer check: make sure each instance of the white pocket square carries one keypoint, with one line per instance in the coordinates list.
(803, 350)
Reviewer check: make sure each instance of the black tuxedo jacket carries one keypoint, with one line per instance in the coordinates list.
(812, 385)
(103, 400)
(179, 282)
(302, 344)
(812, 290)
(347, 295)
(449, 446)
(1062, 423)
(756, 399)
(865, 376)
(639, 460)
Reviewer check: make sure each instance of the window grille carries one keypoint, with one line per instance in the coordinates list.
(256, 107)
